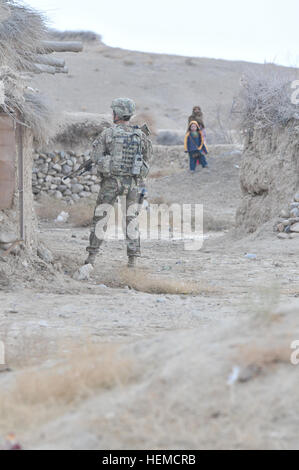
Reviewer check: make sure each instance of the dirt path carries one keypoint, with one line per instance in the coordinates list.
(178, 350)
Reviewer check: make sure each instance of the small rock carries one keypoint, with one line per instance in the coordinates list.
(95, 188)
(295, 227)
(84, 194)
(280, 227)
(57, 167)
(250, 256)
(45, 254)
(83, 273)
(77, 188)
(282, 236)
(296, 198)
(294, 212)
(7, 237)
(284, 214)
(66, 169)
(62, 217)
(294, 235)
(58, 195)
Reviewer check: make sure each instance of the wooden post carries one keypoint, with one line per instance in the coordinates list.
(60, 46)
(19, 133)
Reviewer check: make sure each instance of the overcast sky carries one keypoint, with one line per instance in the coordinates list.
(251, 30)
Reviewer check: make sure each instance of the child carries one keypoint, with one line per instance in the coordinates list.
(195, 146)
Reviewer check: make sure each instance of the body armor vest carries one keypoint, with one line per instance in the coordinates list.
(126, 154)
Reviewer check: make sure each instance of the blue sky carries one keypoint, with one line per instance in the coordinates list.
(255, 30)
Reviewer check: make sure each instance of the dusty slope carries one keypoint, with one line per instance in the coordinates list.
(180, 349)
(164, 86)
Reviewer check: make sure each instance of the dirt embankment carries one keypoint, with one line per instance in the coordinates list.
(269, 175)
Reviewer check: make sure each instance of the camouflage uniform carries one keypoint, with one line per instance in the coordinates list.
(117, 184)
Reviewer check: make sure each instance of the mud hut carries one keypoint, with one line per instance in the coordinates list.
(24, 114)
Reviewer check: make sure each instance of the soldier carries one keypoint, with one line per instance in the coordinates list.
(121, 154)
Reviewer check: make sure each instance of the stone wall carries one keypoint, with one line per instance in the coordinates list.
(49, 168)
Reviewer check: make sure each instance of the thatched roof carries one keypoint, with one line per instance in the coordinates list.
(24, 50)
(21, 29)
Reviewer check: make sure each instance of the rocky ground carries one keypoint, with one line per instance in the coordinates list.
(190, 350)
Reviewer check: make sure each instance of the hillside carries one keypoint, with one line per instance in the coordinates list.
(165, 87)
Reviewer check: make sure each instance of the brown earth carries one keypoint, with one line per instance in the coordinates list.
(144, 359)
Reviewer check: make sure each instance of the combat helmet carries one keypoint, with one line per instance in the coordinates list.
(123, 107)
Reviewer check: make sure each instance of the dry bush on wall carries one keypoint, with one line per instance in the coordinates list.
(266, 98)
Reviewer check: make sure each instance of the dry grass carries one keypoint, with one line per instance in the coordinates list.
(161, 173)
(158, 200)
(264, 355)
(212, 223)
(80, 130)
(80, 214)
(77, 374)
(143, 282)
(265, 99)
(21, 30)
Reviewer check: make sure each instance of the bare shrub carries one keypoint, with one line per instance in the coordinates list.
(80, 129)
(215, 223)
(157, 200)
(81, 370)
(143, 282)
(129, 62)
(189, 61)
(220, 129)
(265, 98)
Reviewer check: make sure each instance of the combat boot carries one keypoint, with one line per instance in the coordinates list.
(131, 261)
(90, 259)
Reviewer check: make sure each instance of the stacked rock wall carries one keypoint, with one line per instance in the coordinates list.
(49, 169)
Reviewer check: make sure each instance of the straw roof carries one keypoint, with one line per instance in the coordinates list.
(24, 50)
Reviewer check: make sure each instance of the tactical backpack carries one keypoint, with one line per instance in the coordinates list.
(126, 153)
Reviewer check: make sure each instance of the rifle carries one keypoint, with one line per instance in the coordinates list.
(82, 169)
